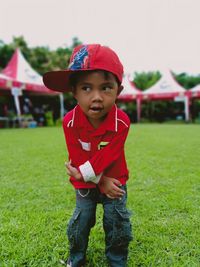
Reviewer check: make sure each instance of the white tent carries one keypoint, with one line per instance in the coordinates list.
(131, 93)
(195, 91)
(168, 88)
(8, 84)
(5, 81)
(20, 72)
(18, 69)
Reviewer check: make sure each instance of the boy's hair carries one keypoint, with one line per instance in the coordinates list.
(85, 58)
(76, 76)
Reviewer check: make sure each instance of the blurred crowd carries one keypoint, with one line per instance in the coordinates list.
(32, 114)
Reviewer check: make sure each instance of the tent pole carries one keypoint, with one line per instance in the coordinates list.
(138, 102)
(187, 111)
(17, 92)
(17, 105)
(62, 110)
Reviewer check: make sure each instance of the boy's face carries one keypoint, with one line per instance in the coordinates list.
(96, 94)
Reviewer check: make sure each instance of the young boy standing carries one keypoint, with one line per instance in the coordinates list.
(95, 133)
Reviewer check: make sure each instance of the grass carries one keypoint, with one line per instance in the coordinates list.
(36, 200)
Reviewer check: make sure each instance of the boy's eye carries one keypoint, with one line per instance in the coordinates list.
(107, 88)
(86, 88)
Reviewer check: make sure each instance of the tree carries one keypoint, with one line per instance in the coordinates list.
(75, 42)
(187, 81)
(145, 80)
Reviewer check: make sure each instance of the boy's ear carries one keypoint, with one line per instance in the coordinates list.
(121, 87)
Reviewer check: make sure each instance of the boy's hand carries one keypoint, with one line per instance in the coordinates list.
(72, 171)
(110, 187)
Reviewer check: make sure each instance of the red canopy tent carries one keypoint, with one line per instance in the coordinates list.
(195, 94)
(6, 85)
(195, 91)
(19, 70)
(19, 76)
(131, 93)
(167, 88)
(6, 82)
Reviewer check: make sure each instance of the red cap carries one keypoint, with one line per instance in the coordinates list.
(84, 58)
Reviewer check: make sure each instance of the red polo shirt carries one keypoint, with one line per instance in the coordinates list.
(97, 151)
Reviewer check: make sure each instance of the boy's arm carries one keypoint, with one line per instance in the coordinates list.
(107, 185)
(111, 187)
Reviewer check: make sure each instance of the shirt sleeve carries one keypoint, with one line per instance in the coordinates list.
(104, 157)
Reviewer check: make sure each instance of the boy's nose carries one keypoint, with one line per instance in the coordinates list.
(97, 96)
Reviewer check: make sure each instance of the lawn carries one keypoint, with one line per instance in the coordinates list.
(36, 199)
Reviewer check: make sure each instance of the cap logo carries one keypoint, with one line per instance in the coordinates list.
(80, 60)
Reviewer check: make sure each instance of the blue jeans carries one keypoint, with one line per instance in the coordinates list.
(116, 223)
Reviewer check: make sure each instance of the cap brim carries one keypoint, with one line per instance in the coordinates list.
(57, 80)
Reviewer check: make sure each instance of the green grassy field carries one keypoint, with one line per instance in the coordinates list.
(36, 199)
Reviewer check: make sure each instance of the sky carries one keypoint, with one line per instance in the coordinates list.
(147, 35)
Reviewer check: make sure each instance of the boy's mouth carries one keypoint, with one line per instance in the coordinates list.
(96, 109)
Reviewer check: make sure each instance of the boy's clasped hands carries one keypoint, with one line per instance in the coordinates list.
(107, 185)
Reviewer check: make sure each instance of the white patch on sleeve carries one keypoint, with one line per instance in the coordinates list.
(88, 173)
(85, 146)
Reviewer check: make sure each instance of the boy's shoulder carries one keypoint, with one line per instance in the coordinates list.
(122, 118)
(68, 118)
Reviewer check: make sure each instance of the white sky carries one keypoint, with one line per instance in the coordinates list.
(146, 34)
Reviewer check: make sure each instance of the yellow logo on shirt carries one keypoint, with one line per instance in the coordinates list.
(102, 145)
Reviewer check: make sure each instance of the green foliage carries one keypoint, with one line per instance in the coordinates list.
(162, 111)
(6, 52)
(75, 42)
(49, 118)
(187, 81)
(145, 80)
(36, 201)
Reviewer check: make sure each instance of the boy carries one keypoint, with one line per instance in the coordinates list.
(95, 133)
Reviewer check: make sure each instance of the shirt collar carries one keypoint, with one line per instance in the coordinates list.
(109, 124)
